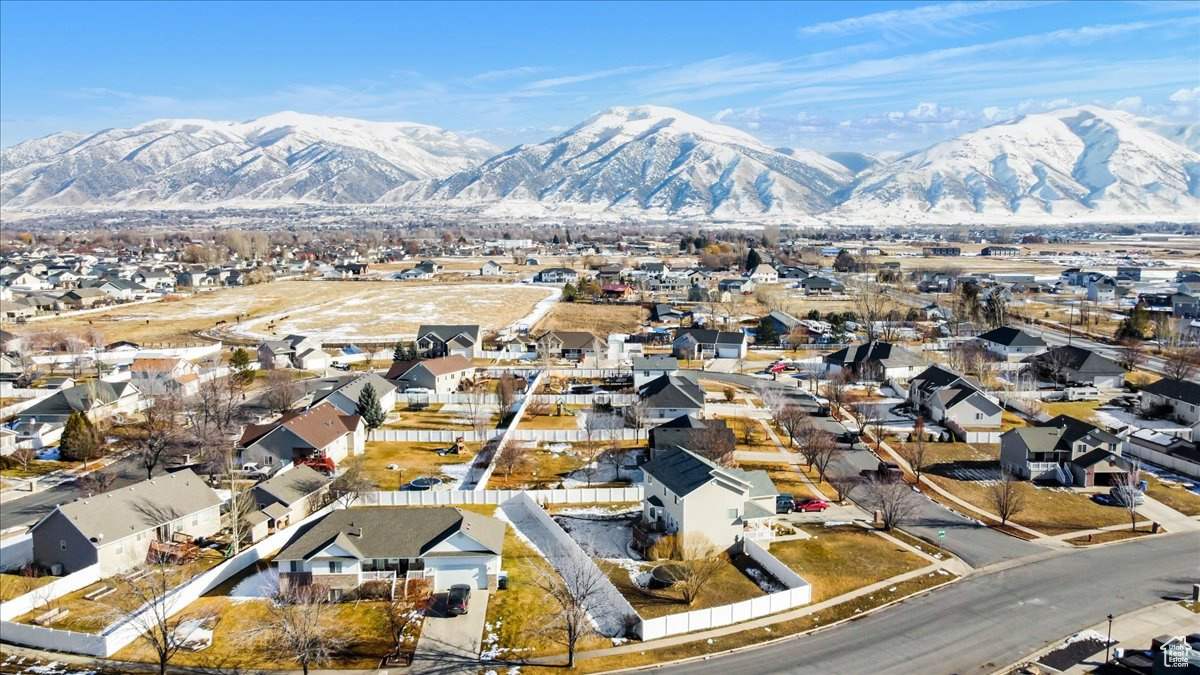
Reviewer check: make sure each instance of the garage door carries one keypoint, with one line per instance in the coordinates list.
(473, 574)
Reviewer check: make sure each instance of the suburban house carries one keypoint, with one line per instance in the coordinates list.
(556, 275)
(1011, 344)
(83, 298)
(647, 368)
(289, 496)
(1178, 399)
(164, 376)
(664, 313)
(98, 399)
(701, 343)
(685, 429)
(1103, 290)
(490, 268)
(821, 286)
(687, 494)
(344, 391)
(736, 285)
(434, 341)
(1065, 450)
(875, 360)
(958, 403)
(1000, 251)
(781, 321)
(119, 528)
(572, 345)
(1073, 365)
(322, 436)
(293, 351)
(441, 375)
(763, 274)
(670, 396)
(1164, 450)
(351, 547)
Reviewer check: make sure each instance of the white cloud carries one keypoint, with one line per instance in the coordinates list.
(1130, 103)
(937, 19)
(1186, 95)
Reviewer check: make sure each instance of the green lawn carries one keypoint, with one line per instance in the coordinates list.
(837, 560)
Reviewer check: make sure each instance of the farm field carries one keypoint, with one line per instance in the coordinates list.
(330, 310)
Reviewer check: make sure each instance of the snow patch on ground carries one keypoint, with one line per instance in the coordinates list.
(457, 473)
(257, 586)
(765, 581)
(607, 537)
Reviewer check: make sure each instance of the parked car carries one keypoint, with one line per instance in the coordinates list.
(811, 504)
(458, 599)
(1102, 499)
(851, 437)
(1122, 495)
(777, 367)
(885, 471)
(784, 502)
(822, 411)
(340, 366)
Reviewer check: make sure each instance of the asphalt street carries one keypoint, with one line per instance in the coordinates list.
(987, 620)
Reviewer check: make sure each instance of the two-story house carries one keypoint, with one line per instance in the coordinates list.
(161, 376)
(322, 436)
(442, 375)
(1179, 399)
(1065, 450)
(1011, 344)
(438, 340)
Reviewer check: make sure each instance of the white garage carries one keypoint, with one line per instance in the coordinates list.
(473, 574)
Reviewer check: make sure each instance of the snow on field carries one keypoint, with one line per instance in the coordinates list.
(981, 476)
(607, 536)
(600, 472)
(457, 473)
(765, 581)
(1190, 484)
(1116, 418)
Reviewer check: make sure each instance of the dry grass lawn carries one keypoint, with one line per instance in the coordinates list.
(434, 417)
(1173, 495)
(1082, 410)
(36, 468)
(1105, 537)
(342, 309)
(364, 622)
(837, 560)
(553, 421)
(416, 460)
(543, 469)
(15, 585)
(1011, 420)
(729, 585)
(601, 319)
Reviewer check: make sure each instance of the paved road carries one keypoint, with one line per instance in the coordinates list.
(28, 510)
(986, 621)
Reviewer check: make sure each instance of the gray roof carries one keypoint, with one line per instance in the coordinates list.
(393, 532)
(449, 332)
(885, 353)
(786, 320)
(80, 398)
(705, 336)
(672, 391)
(351, 386)
(142, 506)
(683, 471)
(1178, 390)
(1079, 360)
(1060, 434)
(293, 485)
(655, 362)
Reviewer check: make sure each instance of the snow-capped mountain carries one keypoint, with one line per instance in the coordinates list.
(1083, 161)
(649, 157)
(283, 157)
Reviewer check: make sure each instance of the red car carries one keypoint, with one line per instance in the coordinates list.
(777, 367)
(811, 504)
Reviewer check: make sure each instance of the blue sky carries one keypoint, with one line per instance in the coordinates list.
(864, 76)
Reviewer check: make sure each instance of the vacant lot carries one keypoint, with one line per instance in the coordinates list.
(601, 319)
(330, 310)
(837, 560)
(452, 417)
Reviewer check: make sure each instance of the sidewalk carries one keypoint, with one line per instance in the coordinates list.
(1129, 631)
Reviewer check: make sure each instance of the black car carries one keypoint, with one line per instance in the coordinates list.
(850, 437)
(784, 502)
(458, 599)
(821, 411)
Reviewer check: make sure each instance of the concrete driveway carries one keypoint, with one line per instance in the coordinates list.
(451, 644)
(834, 513)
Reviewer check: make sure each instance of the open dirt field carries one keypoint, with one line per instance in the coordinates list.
(328, 310)
(600, 319)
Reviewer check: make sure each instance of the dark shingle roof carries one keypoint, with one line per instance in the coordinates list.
(883, 352)
(1179, 390)
(293, 485)
(679, 470)
(673, 391)
(391, 532)
(1079, 360)
(1012, 337)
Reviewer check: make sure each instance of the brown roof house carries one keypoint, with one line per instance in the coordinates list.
(441, 375)
(118, 529)
(351, 547)
(168, 375)
(289, 496)
(321, 436)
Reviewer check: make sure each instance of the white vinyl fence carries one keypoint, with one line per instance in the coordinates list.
(456, 397)
(479, 480)
(454, 497)
(23, 604)
(575, 435)
(119, 635)
(1177, 464)
(587, 399)
(428, 435)
(797, 593)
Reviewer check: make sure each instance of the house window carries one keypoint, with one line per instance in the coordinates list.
(295, 566)
(335, 567)
(195, 519)
(270, 460)
(120, 547)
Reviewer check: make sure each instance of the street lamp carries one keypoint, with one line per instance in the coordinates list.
(1108, 642)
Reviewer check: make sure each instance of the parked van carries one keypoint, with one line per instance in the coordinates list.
(1083, 394)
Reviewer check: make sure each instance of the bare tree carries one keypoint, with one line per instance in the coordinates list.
(282, 390)
(1128, 486)
(97, 482)
(893, 499)
(695, 561)
(351, 483)
(1131, 354)
(1182, 364)
(810, 439)
(511, 456)
(791, 418)
(568, 597)
(1054, 363)
(614, 454)
(479, 411)
(824, 450)
(714, 442)
(835, 388)
(144, 605)
(23, 457)
(300, 625)
(405, 612)
(637, 414)
(916, 453)
(844, 484)
(159, 435)
(593, 428)
(873, 306)
(506, 392)
(1006, 496)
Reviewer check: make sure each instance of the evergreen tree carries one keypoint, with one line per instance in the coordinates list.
(239, 363)
(80, 441)
(1136, 326)
(555, 240)
(753, 259)
(569, 293)
(369, 409)
(399, 352)
(767, 333)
